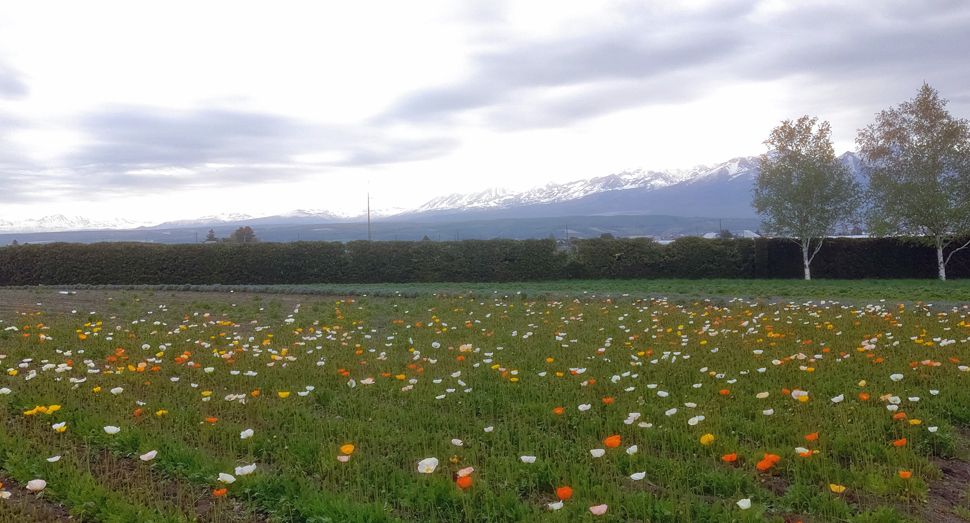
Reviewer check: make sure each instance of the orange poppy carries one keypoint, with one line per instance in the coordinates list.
(219, 493)
(607, 400)
(723, 392)
(863, 396)
(899, 415)
(812, 437)
(774, 458)
(212, 420)
(730, 458)
(900, 442)
(465, 481)
(612, 441)
(558, 410)
(765, 464)
(905, 474)
(564, 492)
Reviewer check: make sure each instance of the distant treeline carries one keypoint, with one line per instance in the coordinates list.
(462, 261)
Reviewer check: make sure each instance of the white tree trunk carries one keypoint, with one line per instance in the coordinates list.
(808, 272)
(940, 263)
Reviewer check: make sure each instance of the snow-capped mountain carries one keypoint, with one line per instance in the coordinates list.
(554, 192)
(215, 219)
(557, 193)
(59, 222)
(719, 191)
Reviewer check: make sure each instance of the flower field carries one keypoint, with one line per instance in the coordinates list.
(480, 406)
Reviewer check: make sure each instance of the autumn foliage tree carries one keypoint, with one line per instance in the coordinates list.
(803, 191)
(917, 159)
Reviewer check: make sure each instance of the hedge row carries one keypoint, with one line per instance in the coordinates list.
(464, 261)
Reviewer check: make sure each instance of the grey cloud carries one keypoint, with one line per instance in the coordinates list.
(663, 58)
(11, 83)
(133, 137)
(502, 76)
(884, 39)
(132, 148)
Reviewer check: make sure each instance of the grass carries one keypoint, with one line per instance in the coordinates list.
(909, 291)
(408, 372)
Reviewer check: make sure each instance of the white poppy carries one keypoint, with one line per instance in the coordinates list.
(597, 453)
(36, 485)
(148, 456)
(555, 506)
(111, 429)
(896, 377)
(528, 459)
(427, 465)
(226, 478)
(246, 434)
(245, 470)
(632, 450)
(584, 407)
(745, 503)
(637, 476)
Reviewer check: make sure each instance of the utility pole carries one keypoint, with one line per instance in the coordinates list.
(368, 216)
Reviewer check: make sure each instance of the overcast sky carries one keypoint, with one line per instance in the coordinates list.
(182, 109)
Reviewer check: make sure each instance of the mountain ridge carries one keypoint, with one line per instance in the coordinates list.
(721, 190)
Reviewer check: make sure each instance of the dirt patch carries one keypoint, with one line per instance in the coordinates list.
(140, 484)
(952, 491)
(24, 505)
(947, 494)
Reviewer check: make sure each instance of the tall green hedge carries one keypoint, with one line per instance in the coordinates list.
(464, 261)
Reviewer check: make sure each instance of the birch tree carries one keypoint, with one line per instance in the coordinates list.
(917, 160)
(803, 191)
